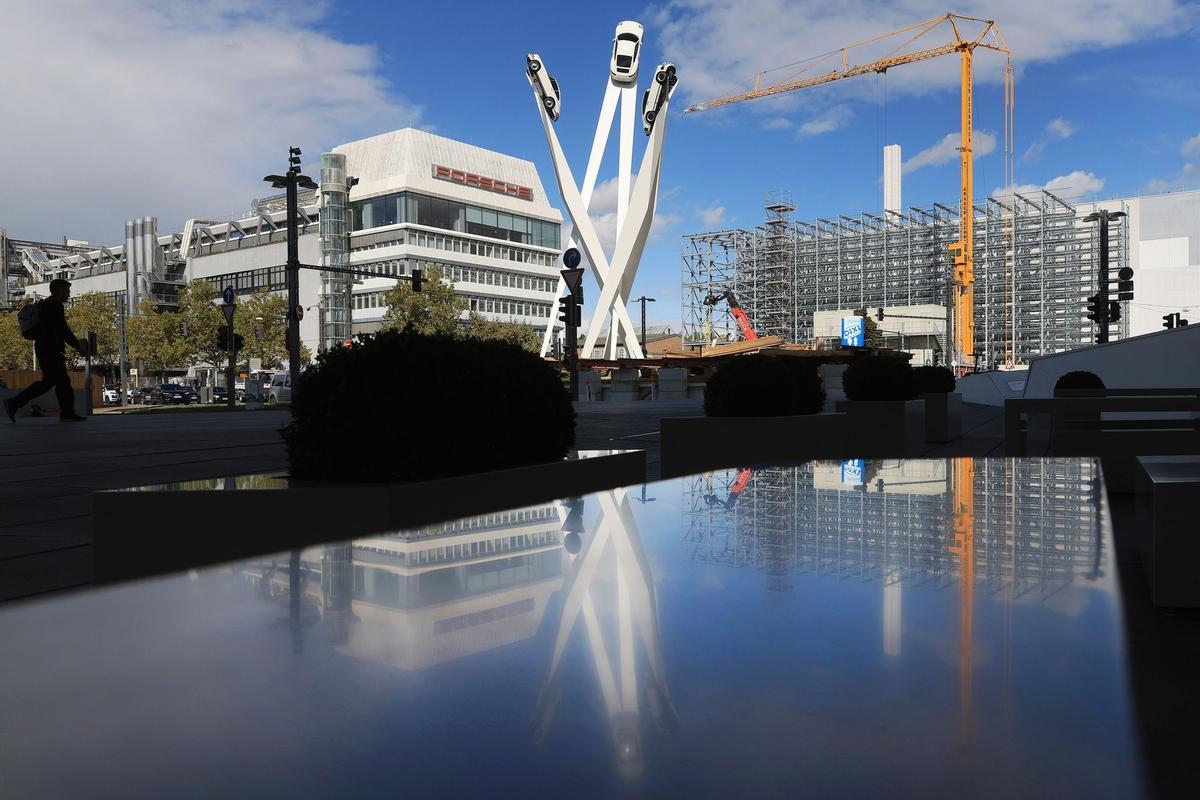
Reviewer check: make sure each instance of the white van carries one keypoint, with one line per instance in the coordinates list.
(280, 390)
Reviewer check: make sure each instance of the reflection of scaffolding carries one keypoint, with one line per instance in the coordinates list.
(787, 522)
(867, 260)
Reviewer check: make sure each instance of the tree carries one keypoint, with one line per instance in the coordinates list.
(435, 309)
(262, 319)
(524, 336)
(16, 352)
(154, 339)
(202, 319)
(872, 336)
(96, 312)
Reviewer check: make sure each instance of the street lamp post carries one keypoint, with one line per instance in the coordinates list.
(291, 183)
(643, 300)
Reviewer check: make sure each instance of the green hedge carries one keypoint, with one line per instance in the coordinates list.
(879, 378)
(412, 407)
(764, 386)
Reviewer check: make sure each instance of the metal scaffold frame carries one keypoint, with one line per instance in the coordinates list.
(1032, 276)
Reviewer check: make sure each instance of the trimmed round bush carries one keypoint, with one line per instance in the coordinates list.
(405, 406)
(879, 378)
(764, 386)
(933, 380)
(1077, 380)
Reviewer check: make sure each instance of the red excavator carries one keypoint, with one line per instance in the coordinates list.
(739, 316)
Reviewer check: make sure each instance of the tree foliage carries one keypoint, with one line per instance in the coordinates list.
(202, 319)
(96, 312)
(154, 338)
(262, 319)
(872, 336)
(16, 352)
(488, 330)
(436, 309)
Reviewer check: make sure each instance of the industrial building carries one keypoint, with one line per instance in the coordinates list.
(386, 205)
(1036, 262)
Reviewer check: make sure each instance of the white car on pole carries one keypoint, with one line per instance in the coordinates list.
(652, 101)
(627, 44)
(544, 84)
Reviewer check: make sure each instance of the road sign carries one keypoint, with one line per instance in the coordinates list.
(573, 277)
(571, 258)
(348, 344)
(228, 309)
(227, 295)
(299, 313)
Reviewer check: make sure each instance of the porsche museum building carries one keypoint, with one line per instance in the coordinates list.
(385, 206)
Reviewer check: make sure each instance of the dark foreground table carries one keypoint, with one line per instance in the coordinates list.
(918, 628)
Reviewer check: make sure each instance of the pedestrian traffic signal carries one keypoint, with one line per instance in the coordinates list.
(1097, 309)
(416, 280)
(1114, 311)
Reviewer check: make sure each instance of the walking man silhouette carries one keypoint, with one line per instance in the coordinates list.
(53, 334)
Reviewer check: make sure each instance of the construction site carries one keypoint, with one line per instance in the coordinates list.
(981, 283)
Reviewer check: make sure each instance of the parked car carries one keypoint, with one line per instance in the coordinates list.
(658, 94)
(111, 396)
(627, 43)
(219, 394)
(137, 394)
(170, 394)
(545, 85)
(280, 390)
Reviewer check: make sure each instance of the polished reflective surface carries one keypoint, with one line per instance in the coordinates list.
(915, 628)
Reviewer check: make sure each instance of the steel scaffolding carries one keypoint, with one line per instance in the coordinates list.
(784, 523)
(1035, 264)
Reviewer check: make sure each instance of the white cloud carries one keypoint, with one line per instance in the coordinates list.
(1034, 152)
(721, 44)
(946, 150)
(831, 120)
(135, 107)
(1074, 184)
(1060, 128)
(776, 124)
(603, 213)
(1191, 148)
(712, 217)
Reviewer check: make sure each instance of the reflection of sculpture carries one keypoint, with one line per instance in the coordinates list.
(633, 604)
(614, 277)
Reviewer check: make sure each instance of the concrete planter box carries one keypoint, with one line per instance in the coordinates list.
(214, 525)
(943, 416)
(695, 444)
(885, 428)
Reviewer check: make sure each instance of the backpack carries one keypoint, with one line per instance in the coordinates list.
(28, 318)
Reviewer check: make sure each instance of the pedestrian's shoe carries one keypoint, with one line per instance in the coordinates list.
(10, 408)
(71, 418)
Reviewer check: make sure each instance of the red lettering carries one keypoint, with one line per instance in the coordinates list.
(441, 172)
(482, 182)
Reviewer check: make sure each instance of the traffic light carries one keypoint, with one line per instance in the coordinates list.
(294, 160)
(1114, 311)
(879, 314)
(239, 341)
(1096, 309)
(1169, 321)
(569, 313)
(416, 280)
(1125, 283)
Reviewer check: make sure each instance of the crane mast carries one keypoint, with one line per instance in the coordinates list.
(960, 297)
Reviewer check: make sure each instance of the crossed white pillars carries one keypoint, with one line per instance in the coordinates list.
(614, 278)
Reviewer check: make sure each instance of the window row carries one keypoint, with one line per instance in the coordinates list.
(495, 305)
(273, 279)
(492, 277)
(370, 300)
(451, 215)
(467, 247)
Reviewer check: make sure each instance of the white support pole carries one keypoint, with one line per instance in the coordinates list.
(585, 231)
(631, 240)
(599, 140)
(624, 169)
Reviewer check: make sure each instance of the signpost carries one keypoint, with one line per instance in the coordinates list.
(228, 309)
(853, 331)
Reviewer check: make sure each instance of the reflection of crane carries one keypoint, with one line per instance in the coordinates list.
(735, 491)
(736, 310)
(963, 249)
(962, 517)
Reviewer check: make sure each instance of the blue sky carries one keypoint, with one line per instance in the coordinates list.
(177, 109)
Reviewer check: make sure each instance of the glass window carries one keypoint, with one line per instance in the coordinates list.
(489, 218)
(474, 214)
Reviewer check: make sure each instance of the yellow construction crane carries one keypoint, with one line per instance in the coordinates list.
(988, 37)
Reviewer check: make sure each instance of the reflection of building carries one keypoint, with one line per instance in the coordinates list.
(804, 519)
(423, 597)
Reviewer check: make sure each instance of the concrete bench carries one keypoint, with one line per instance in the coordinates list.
(1168, 498)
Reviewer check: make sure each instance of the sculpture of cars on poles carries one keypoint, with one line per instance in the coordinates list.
(545, 85)
(652, 101)
(627, 44)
